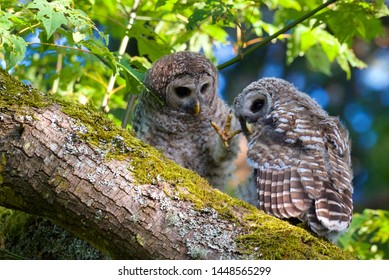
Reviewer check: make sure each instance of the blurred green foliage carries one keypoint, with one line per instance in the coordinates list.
(368, 235)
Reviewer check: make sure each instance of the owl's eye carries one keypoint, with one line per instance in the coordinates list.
(182, 91)
(204, 88)
(257, 105)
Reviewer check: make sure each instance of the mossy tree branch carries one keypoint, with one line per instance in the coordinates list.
(70, 164)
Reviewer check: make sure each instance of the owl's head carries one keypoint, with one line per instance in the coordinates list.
(185, 81)
(253, 106)
(254, 103)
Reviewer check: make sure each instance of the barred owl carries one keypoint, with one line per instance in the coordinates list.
(177, 122)
(299, 154)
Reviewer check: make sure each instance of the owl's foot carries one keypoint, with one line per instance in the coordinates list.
(225, 133)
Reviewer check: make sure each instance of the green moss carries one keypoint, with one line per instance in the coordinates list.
(15, 94)
(272, 238)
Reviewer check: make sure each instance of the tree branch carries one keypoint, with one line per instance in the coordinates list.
(266, 40)
(72, 165)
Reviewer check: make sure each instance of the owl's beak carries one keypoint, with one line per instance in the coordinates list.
(196, 108)
(192, 107)
(246, 127)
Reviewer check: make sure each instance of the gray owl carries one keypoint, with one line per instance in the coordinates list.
(299, 154)
(175, 114)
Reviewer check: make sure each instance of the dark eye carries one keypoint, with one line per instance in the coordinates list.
(204, 87)
(182, 91)
(257, 105)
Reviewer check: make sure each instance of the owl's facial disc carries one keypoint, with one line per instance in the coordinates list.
(184, 94)
(190, 103)
(250, 107)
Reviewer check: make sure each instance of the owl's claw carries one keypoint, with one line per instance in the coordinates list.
(225, 133)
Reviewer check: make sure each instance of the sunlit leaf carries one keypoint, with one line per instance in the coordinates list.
(318, 60)
(78, 36)
(50, 13)
(15, 47)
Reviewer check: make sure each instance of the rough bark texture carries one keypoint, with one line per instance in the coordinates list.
(111, 190)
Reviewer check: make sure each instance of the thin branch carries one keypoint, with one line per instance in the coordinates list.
(93, 77)
(57, 71)
(130, 105)
(275, 35)
(60, 46)
(28, 27)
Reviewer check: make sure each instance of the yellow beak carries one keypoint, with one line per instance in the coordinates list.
(197, 108)
(249, 127)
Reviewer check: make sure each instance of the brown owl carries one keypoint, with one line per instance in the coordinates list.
(175, 114)
(299, 154)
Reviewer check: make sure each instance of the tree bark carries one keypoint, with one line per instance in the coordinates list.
(98, 181)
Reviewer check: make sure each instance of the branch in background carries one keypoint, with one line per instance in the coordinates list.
(274, 36)
(57, 71)
(130, 104)
(122, 49)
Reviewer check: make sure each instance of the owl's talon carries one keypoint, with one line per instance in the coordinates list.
(225, 133)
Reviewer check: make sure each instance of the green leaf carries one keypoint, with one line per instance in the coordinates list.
(307, 38)
(101, 52)
(5, 23)
(352, 59)
(346, 58)
(290, 4)
(134, 76)
(50, 13)
(160, 3)
(328, 42)
(318, 60)
(216, 32)
(15, 49)
(354, 19)
(78, 36)
(311, 36)
(197, 16)
(151, 48)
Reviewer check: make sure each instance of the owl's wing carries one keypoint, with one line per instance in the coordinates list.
(334, 204)
(312, 182)
(281, 193)
(280, 189)
(326, 176)
(338, 151)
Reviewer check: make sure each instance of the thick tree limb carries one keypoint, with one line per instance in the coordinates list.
(76, 168)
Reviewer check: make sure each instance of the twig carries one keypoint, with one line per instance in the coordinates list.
(60, 46)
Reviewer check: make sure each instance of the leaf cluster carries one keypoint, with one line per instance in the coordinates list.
(368, 235)
(329, 36)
